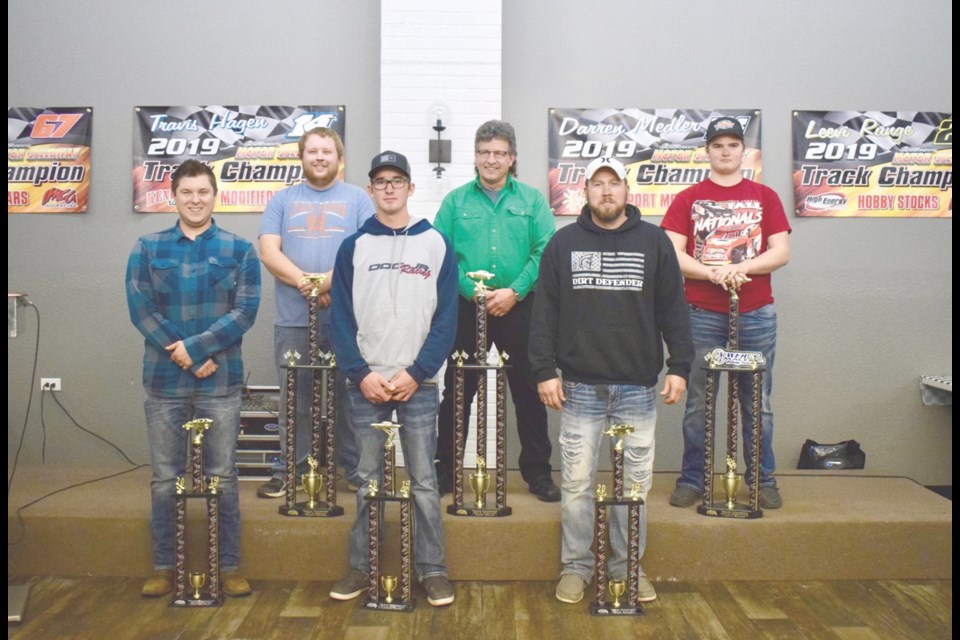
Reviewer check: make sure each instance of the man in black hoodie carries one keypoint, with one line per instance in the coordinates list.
(610, 293)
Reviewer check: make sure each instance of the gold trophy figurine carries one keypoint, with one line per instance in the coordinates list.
(197, 579)
(181, 485)
(312, 483)
(373, 488)
(389, 584)
(619, 431)
(480, 482)
(635, 491)
(480, 277)
(617, 587)
(405, 489)
(198, 427)
(731, 483)
(315, 279)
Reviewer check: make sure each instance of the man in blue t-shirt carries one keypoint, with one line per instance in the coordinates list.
(300, 233)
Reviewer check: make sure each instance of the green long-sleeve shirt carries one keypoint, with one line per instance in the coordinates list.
(506, 239)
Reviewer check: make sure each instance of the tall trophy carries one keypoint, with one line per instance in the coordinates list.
(390, 592)
(623, 593)
(734, 362)
(204, 586)
(323, 415)
(480, 369)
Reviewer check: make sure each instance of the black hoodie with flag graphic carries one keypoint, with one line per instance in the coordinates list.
(607, 300)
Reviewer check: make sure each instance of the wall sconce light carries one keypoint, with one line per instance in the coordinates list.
(439, 148)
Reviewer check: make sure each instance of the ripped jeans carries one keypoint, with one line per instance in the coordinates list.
(588, 411)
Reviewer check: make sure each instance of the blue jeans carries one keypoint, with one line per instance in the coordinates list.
(168, 457)
(296, 339)
(758, 332)
(587, 412)
(418, 437)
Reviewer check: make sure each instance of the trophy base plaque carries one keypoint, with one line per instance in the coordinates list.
(608, 610)
(379, 605)
(203, 601)
(485, 512)
(319, 510)
(741, 511)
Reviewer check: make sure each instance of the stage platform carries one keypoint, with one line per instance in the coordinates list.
(842, 525)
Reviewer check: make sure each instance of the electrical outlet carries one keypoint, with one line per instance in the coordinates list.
(50, 384)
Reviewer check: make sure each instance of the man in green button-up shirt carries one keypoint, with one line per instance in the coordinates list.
(499, 225)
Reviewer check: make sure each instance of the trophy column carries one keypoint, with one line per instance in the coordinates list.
(480, 481)
(377, 499)
(197, 595)
(624, 592)
(734, 362)
(323, 417)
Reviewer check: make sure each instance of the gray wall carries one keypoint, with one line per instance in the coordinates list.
(865, 305)
(114, 55)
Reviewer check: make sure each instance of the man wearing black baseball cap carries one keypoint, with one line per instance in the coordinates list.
(730, 233)
(394, 320)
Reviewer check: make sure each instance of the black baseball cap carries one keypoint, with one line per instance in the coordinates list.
(391, 160)
(724, 126)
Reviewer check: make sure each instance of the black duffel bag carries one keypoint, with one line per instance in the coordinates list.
(842, 455)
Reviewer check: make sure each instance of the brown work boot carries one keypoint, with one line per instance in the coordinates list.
(159, 585)
(235, 585)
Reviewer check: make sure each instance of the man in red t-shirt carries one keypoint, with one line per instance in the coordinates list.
(729, 233)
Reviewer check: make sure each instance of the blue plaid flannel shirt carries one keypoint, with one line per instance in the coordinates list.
(205, 292)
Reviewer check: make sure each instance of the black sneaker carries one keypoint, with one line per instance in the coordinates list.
(350, 586)
(439, 590)
(273, 488)
(545, 490)
(444, 479)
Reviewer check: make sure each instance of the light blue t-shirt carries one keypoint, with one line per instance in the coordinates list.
(311, 225)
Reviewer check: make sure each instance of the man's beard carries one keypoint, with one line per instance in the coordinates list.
(607, 215)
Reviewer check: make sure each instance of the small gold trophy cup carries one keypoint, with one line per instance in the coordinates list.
(197, 580)
(480, 482)
(315, 280)
(731, 483)
(312, 483)
(617, 587)
(389, 584)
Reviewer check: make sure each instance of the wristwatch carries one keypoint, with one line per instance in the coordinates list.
(515, 293)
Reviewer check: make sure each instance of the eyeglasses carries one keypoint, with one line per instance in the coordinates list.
(398, 183)
(499, 155)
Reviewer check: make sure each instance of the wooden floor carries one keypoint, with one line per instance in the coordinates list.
(111, 608)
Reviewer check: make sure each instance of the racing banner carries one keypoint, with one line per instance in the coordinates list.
(663, 150)
(48, 159)
(873, 163)
(252, 150)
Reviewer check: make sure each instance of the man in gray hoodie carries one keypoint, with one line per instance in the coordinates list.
(394, 321)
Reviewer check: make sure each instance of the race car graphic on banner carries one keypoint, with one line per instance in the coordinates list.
(252, 149)
(48, 159)
(873, 163)
(663, 150)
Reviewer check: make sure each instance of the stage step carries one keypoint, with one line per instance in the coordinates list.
(845, 525)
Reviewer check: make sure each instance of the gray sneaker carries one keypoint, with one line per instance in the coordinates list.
(350, 586)
(770, 498)
(570, 588)
(439, 590)
(684, 496)
(272, 488)
(645, 590)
